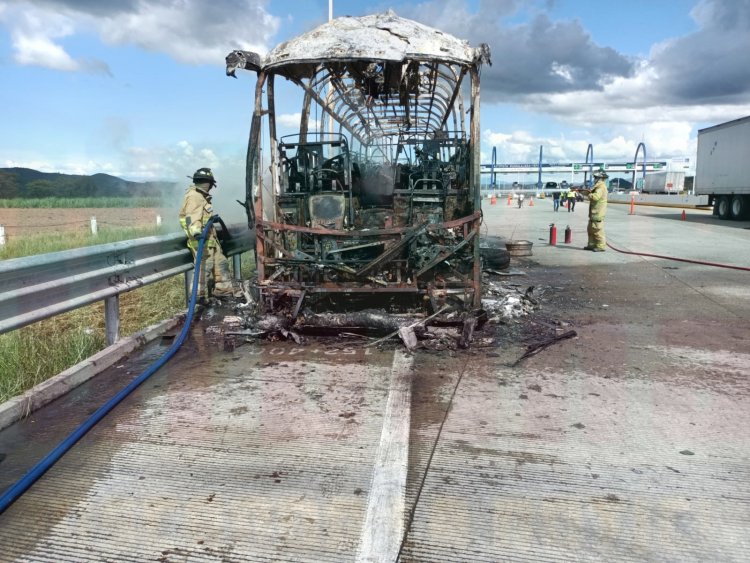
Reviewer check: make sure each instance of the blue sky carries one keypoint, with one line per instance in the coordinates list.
(136, 88)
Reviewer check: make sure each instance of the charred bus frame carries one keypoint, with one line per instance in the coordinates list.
(389, 203)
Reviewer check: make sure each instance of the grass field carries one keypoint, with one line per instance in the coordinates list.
(34, 353)
(16, 247)
(78, 202)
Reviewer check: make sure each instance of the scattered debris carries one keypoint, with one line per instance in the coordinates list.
(538, 347)
(213, 329)
(451, 327)
(508, 273)
(508, 301)
(467, 334)
(397, 331)
(232, 322)
(409, 338)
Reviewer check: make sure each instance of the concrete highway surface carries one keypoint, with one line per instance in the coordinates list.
(626, 443)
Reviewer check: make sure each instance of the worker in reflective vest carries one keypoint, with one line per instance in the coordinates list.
(571, 196)
(195, 212)
(597, 211)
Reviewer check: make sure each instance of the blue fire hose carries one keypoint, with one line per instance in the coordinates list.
(24, 483)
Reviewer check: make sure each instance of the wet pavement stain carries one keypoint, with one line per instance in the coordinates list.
(517, 456)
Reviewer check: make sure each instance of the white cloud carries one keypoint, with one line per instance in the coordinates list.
(289, 120)
(173, 162)
(193, 31)
(74, 166)
(663, 140)
(562, 70)
(554, 69)
(170, 163)
(190, 31)
(186, 148)
(41, 51)
(35, 36)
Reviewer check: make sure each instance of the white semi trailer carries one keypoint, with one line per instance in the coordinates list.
(723, 168)
(664, 183)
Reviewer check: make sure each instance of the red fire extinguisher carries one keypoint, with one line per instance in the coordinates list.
(568, 235)
(552, 234)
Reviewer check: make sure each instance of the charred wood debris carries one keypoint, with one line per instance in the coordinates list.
(509, 312)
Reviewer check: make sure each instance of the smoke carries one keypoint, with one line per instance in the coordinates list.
(177, 163)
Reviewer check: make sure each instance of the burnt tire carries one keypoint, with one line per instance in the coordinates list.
(493, 253)
(723, 208)
(739, 206)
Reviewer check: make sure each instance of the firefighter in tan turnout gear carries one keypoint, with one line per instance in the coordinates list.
(195, 212)
(597, 211)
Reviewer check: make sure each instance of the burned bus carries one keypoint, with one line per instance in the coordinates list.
(379, 196)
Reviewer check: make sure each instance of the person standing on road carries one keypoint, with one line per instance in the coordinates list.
(195, 212)
(520, 201)
(556, 201)
(597, 211)
(571, 200)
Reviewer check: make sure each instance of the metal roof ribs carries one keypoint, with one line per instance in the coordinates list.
(341, 89)
(456, 91)
(324, 106)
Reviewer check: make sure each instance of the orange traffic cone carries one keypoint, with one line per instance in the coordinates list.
(531, 202)
(493, 199)
(684, 217)
(510, 199)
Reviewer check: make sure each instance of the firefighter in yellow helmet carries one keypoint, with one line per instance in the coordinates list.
(597, 211)
(195, 212)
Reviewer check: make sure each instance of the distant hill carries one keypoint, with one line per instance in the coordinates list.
(28, 183)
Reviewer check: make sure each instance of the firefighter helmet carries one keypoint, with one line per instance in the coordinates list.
(204, 176)
(601, 174)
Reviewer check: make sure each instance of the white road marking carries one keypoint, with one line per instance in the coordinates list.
(383, 526)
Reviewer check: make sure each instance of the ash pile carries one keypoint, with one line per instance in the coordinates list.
(447, 325)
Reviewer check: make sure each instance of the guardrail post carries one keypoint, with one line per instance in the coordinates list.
(188, 285)
(158, 220)
(237, 266)
(94, 228)
(112, 319)
(41, 286)
(2, 235)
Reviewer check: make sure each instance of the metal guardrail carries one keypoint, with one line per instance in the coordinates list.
(38, 287)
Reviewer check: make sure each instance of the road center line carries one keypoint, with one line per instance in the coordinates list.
(383, 526)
